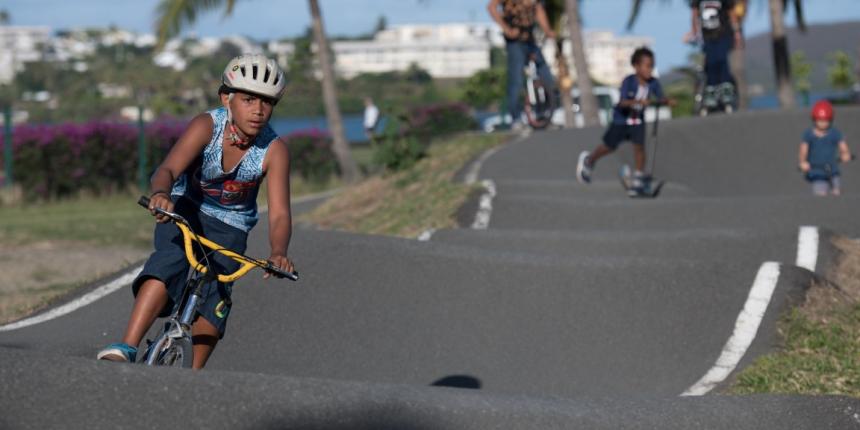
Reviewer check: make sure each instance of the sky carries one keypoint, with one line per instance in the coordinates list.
(664, 20)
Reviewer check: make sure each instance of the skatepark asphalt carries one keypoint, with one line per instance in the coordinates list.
(577, 308)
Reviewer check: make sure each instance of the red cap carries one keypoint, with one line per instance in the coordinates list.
(822, 110)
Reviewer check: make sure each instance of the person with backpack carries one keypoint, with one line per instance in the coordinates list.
(717, 22)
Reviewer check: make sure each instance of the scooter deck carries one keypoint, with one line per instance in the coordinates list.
(651, 190)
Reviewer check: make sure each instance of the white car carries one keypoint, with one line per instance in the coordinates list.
(607, 98)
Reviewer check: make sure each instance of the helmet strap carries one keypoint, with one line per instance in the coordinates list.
(236, 137)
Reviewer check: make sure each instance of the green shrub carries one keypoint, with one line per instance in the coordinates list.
(408, 133)
(311, 155)
(399, 153)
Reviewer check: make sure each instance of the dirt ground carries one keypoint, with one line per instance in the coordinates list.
(37, 273)
(842, 287)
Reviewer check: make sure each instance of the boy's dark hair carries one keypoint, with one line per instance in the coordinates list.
(639, 53)
(224, 89)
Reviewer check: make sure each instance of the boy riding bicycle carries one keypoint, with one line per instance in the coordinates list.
(517, 19)
(211, 177)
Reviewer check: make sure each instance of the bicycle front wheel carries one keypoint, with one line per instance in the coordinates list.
(171, 352)
(539, 107)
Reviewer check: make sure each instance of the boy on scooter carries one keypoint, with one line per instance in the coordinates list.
(628, 120)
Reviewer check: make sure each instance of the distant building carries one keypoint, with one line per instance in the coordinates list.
(19, 45)
(444, 50)
(608, 55)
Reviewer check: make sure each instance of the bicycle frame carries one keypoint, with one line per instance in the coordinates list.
(178, 326)
(531, 77)
(538, 105)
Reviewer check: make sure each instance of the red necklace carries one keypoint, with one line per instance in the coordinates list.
(236, 140)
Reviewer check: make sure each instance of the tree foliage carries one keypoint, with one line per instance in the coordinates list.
(841, 71)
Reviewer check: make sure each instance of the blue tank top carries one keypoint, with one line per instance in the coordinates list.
(227, 196)
(823, 155)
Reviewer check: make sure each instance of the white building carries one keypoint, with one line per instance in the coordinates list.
(444, 51)
(20, 45)
(608, 55)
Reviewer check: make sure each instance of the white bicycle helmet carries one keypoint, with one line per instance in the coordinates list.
(256, 74)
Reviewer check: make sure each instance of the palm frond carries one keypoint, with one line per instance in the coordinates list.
(798, 14)
(635, 8)
(173, 15)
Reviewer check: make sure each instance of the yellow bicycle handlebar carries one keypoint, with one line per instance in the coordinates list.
(246, 263)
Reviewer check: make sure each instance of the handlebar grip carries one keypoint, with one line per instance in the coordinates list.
(143, 201)
(278, 273)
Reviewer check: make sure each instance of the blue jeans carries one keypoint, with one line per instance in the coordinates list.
(518, 55)
(716, 52)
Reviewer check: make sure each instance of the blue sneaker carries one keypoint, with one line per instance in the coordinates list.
(583, 168)
(118, 352)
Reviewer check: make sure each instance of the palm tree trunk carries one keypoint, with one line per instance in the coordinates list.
(587, 100)
(739, 71)
(780, 55)
(348, 168)
(564, 84)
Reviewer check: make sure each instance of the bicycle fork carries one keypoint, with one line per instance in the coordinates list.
(177, 329)
(531, 77)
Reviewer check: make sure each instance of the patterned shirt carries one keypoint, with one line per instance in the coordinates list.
(227, 196)
(522, 15)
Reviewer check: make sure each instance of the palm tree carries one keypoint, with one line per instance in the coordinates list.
(4, 17)
(173, 14)
(781, 58)
(555, 10)
(587, 100)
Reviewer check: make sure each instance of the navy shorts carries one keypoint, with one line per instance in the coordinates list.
(618, 133)
(169, 264)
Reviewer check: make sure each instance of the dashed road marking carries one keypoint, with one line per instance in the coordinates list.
(807, 247)
(485, 208)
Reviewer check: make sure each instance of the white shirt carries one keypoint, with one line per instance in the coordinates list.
(371, 116)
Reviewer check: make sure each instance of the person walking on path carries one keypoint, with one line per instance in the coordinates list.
(371, 118)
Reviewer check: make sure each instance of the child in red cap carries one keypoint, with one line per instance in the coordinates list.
(822, 148)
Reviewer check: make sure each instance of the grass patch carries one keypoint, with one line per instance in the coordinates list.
(821, 353)
(115, 219)
(406, 203)
(18, 304)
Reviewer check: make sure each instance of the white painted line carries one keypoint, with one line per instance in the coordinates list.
(78, 303)
(426, 234)
(745, 331)
(485, 208)
(807, 247)
(475, 168)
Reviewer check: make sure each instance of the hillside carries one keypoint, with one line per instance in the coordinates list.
(817, 43)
